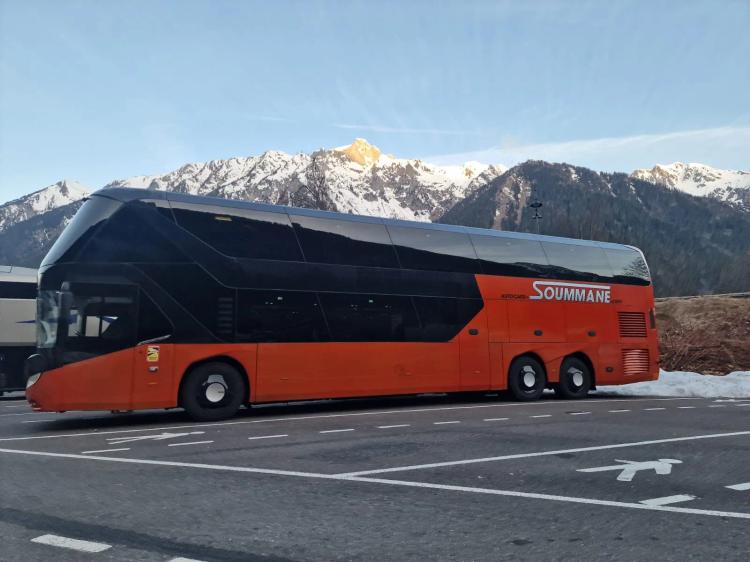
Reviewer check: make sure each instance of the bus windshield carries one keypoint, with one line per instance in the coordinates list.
(99, 319)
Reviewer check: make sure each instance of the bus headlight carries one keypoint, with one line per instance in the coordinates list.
(32, 380)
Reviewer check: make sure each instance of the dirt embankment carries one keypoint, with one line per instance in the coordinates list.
(704, 334)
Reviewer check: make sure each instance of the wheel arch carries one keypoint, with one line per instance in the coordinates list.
(231, 361)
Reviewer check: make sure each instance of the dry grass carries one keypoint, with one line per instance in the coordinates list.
(705, 335)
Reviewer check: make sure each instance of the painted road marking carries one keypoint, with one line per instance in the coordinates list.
(542, 416)
(336, 430)
(105, 451)
(394, 426)
(495, 419)
(323, 416)
(34, 421)
(742, 404)
(409, 484)
(160, 437)
(445, 422)
(740, 487)
(269, 436)
(668, 500)
(542, 453)
(72, 544)
(578, 413)
(181, 559)
(686, 407)
(617, 411)
(652, 409)
(628, 469)
(188, 443)
(718, 406)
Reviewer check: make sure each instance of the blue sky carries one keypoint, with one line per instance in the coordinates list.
(95, 91)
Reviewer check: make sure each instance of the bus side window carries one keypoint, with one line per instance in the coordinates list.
(241, 233)
(356, 317)
(279, 316)
(578, 262)
(434, 250)
(344, 242)
(502, 255)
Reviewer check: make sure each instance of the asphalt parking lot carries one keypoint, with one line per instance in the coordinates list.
(425, 478)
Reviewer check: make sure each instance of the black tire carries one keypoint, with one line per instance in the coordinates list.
(213, 391)
(526, 379)
(575, 379)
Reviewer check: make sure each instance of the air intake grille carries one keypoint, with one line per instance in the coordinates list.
(634, 362)
(632, 324)
(225, 316)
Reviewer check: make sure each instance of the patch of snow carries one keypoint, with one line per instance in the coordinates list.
(686, 384)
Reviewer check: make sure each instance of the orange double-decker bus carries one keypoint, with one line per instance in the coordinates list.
(162, 300)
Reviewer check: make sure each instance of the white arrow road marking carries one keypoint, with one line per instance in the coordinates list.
(629, 468)
(73, 544)
(740, 487)
(668, 500)
(159, 437)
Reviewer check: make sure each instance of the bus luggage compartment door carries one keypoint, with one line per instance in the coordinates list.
(152, 376)
(474, 354)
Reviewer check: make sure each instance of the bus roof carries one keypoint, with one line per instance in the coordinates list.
(126, 194)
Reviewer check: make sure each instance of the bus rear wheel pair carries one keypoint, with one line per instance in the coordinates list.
(527, 379)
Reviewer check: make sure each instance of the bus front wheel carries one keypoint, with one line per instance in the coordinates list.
(575, 379)
(212, 391)
(526, 379)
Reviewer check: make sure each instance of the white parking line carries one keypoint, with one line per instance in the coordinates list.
(495, 419)
(325, 416)
(652, 409)
(578, 413)
(188, 443)
(542, 416)
(72, 544)
(686, 407)
(269, 436)
(105, 451)
(667, 500)
(509, 493)
(543, 453)
(740, 487)
(445, 422)
(617, 411)
(336, 430)
(394, 426)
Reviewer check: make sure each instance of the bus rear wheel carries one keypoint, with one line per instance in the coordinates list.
(212, 391)
(575, 379)
(526, 379)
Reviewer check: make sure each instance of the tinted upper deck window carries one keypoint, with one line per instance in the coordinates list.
(510, 256)
(240, 233)
(628, 266)
(344, 242)
(436, 250)
(129, 236)
(578, 262)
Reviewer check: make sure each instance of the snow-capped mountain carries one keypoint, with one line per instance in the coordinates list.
(731, 186)
(51, 197)
(356, 178)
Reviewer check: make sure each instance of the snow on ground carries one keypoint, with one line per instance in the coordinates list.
(679, 383)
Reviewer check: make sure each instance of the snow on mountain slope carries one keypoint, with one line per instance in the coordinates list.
(732, 186)
(356, 178)
(51, 197)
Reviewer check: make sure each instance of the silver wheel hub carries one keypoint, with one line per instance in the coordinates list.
(529, 376)
(215, 389)
(577, 377)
